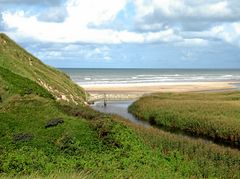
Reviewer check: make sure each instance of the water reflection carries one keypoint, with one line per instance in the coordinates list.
(120, 108)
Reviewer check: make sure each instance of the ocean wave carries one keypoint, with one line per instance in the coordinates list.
(130, 77)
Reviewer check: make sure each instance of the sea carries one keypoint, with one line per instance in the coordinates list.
(86, 76)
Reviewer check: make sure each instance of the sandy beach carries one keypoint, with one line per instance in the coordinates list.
(130, 91)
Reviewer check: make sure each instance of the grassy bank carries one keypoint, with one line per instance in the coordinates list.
(43, 136)
(205, 159)
(101, 146)
(211, 115)
(92, 144)
(14, 58)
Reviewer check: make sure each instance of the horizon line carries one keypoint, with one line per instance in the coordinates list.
(149, 68)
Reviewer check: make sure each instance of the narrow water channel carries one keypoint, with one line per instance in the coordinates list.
(120, 108)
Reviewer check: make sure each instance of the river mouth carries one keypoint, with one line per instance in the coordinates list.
(120, 108)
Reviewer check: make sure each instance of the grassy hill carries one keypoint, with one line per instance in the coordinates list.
(16, 59)
(43, 137)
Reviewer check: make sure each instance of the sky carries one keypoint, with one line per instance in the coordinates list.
(126, 33)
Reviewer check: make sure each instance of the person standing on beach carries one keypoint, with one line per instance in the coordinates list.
(104, 101)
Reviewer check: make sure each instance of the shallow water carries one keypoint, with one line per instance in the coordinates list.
(120, 108)
(237, 85)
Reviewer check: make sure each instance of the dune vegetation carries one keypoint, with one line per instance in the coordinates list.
(16, 59)
(44, 137)
(214, 116)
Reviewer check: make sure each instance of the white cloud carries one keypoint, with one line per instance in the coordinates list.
(94, 12)
(65, 52)
(185, 13)
(31, 2)
(195, 22)
(165, 36)
(75, 27)
(81, 14)
(53, 14)
(159, 20)
(227, 32)
(186, 8)
(193, 42)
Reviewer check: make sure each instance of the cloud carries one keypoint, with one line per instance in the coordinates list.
(182, 22)
(228, 32)
(196, 22)
(163, 36)
(188, 55)
(57, 52)
(193, 42)
(53, 14)
(75, 27)
(98, 53)
(185, 13)
(93, 12)
(1, 23)
(32, 2)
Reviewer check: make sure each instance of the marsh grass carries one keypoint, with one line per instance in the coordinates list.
(211, 115)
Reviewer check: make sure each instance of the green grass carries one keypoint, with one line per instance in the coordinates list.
(89, 144)
(102, 147)
(92, 144)
(16, 84)
(212, 115)
(205, 159)
(16, 59)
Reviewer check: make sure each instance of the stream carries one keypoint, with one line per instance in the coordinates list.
(120, 108)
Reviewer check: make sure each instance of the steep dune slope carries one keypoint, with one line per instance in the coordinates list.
(16, 59)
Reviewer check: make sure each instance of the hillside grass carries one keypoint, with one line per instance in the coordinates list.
(101, 147)
(212, 115)
(15, 84)
(14, 58)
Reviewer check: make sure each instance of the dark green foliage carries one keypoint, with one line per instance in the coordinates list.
(54, 122)
(84, 112)
(152, 120)
(22, 137)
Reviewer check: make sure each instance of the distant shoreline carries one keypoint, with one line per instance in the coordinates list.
(134, 91)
